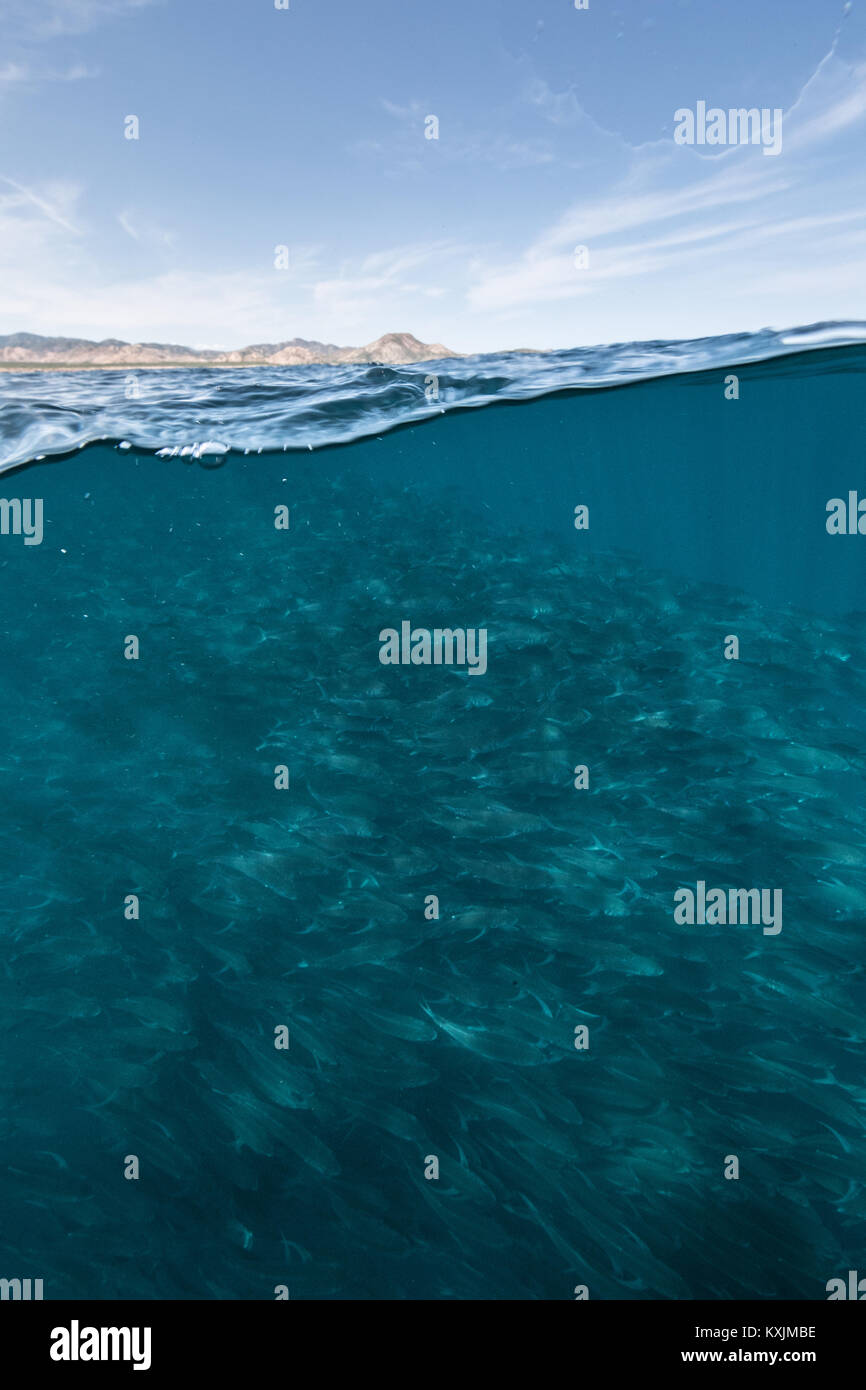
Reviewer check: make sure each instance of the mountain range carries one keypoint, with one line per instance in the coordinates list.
(34, 350)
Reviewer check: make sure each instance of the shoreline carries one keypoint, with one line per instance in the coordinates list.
(223, 366)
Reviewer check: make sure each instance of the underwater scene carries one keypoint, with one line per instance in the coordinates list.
(433, 830)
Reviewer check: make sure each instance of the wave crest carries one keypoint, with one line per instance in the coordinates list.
(204, 412)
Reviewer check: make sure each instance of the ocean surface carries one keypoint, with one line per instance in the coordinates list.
(442, 495)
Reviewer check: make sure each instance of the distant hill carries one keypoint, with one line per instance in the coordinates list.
(32, 349)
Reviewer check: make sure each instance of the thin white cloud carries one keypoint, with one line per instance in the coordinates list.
(413, 112)
(55, 201)
(455, 145)
(142, 228)
(14, 72)
(126, 224)
(49, 19)
(844, 91)
(23, 74)
(384, 281)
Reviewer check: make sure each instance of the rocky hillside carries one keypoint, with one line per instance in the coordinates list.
(31, 350)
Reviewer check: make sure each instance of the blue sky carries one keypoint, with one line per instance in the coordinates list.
(306, 128)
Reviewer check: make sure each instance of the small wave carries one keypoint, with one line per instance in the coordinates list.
(188, 411)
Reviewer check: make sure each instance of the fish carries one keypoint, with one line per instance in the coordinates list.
(432, 910)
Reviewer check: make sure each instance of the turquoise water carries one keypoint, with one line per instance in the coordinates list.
(452, 1037)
